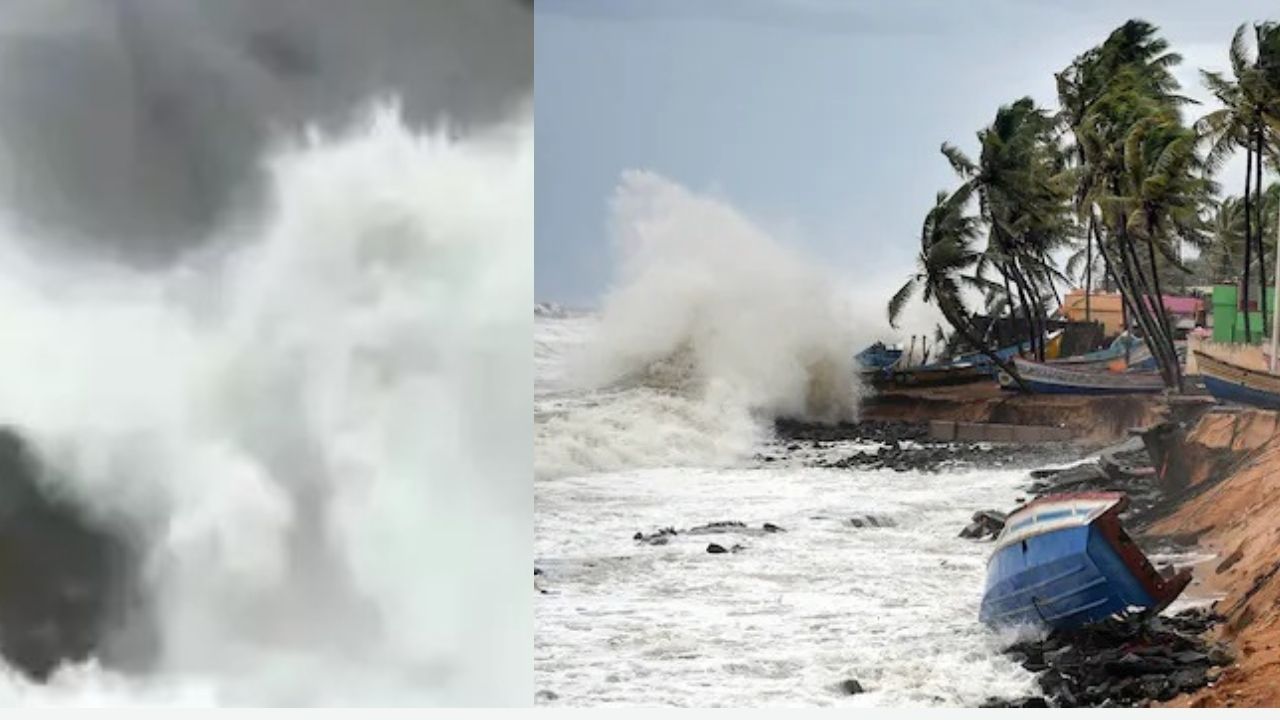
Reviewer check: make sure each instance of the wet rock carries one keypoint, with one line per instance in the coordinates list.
(851, 687)
(986, 523)
(715, 549)
(661, 536)
(720, 526)
(872, 521)
(870, 430)
(1121, 662)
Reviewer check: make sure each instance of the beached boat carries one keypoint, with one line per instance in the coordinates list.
(1228, 382)
(878, 357)
(1057, 379)
(1103, 359)
(1064, 561)
(1052, 349)
(1142, 359)
(938, 375)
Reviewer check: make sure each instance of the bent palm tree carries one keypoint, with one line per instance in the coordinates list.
(944, 269)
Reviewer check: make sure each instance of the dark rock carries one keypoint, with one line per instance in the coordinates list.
(546, 696)
(1030, 701)
(715, 549)
(1121, 662)
(986, 523)
(659, 537)
(872, 521)
(719, 526)
(851, 687)
(1191, 657)
(66, 579)
(1189, 679)
(771, 528)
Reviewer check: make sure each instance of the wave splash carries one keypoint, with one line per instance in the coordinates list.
(712, 330)
(298, 429)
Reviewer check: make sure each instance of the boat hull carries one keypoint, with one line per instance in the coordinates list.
(1232, 383)
(1071, 564)
(1057, 380)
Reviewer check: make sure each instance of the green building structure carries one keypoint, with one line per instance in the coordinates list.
(1228, 318)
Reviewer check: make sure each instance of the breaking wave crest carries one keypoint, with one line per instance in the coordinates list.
(312, 433)
(711, 331)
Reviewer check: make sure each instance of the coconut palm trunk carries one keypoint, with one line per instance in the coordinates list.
(1248, 242)
(1262, 265)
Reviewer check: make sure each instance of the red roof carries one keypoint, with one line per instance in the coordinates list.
(1181, 305)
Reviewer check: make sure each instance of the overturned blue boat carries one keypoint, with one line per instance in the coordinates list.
(1064, 561)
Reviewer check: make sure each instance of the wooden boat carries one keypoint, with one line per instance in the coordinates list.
(938, 375)
(1084, 363)
(1055, 379)
(1064, 561)
(1052, 349)
(1228, 382)
(1105, 358)
(1142, 359)
(878, 357)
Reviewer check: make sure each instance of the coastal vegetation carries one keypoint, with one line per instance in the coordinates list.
(1115, 188)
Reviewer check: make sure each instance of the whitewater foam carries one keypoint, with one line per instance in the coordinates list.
(317, 432)
(712, 329)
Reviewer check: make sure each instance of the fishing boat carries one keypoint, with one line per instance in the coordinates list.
(1228, 382)
(1056, 379)
(1142, 359)
(1064, 561)
(1052, 349)
(1102, 359)
(878, 356)
(939, 374)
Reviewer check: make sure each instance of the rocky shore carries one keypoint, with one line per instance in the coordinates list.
(1130, 662)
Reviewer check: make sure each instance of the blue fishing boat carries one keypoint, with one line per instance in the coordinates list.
(1064, 380)
(878, 356)
(1052, 348)
(1228, 382)
(1064, 561)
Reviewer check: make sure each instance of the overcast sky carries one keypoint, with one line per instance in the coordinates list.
(821, 118)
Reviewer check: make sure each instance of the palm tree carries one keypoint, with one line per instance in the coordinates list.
(1132, 160)
(944, 268)
(1222, 259)
(1023, 193)
(1248, 120)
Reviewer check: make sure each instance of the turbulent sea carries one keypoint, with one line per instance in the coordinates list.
(297, 428)
(656, 411)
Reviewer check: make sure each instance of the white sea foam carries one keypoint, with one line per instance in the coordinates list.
(318, 432)
(789, 617)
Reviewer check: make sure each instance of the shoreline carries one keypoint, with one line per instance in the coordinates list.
(1198, 475)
